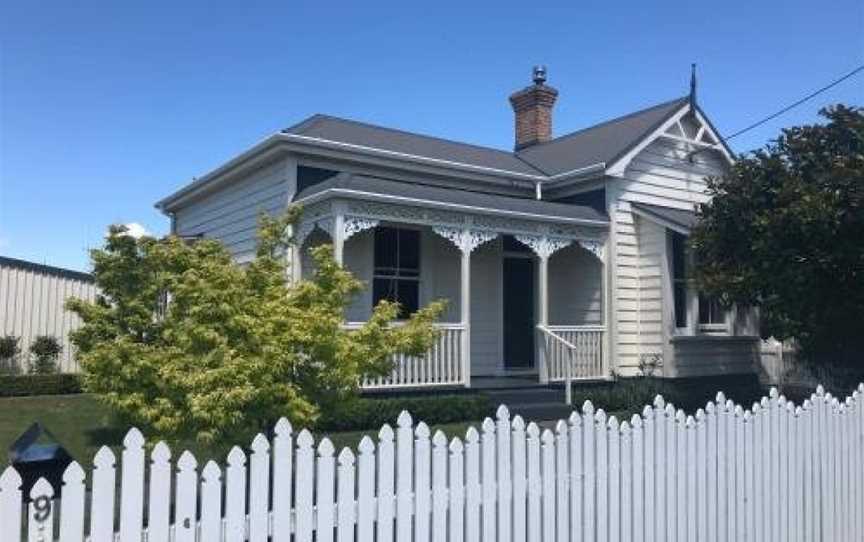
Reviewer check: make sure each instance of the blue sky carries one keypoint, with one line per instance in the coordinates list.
(107, 107)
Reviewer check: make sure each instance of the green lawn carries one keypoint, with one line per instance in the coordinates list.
(82, 425)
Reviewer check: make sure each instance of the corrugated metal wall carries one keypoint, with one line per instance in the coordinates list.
(31, 304)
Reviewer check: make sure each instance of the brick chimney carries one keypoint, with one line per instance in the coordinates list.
(533, 110)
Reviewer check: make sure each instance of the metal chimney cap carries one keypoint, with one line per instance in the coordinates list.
(539, 74)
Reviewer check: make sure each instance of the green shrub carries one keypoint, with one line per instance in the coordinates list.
(45, 350)
(38, 384)
(9, 351)
(631, 395)
(372, 413)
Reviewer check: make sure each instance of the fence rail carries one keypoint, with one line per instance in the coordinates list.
(442, 365)
(579, 346)
(774, 472)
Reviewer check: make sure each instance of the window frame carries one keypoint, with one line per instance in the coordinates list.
(413, 277)
(679, 282)
(693, 299)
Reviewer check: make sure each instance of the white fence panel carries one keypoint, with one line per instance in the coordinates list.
(773, 472)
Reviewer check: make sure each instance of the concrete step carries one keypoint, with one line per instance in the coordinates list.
(533, 403)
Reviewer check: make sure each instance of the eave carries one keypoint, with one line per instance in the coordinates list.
(283, 144)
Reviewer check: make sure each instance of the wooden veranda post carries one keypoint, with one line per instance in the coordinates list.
(465, 312)
(339, 237)
(543, 311)
(466, 240)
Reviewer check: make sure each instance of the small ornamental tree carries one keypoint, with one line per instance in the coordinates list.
(784, 231)
(9, 351)
(191, 346)
(44, 351)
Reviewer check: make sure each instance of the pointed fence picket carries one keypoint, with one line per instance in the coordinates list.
(772, 472)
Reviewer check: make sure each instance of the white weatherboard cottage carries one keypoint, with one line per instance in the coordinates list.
(567, 254)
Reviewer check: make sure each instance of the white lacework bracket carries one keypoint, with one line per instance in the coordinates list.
(356, 224)
(465, 240)
(594, 247)
(544, 246)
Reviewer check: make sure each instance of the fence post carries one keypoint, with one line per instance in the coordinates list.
(211, 502)
(282, 480)
(366, 490)
(235, 496)
(159, 494)
(102, 511)
(324, 497)
(439, 487)
(422, 481)
(345, 496)
(132, 490)
(40, 515)
(503, 461)
(186, 499)
(71, 506)
(562, 478)
(10, 505)
(457, 491)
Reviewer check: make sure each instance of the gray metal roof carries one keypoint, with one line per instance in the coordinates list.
(359, 185)
(604, 142)
(15, 263)
(684, 219)
(368, 135)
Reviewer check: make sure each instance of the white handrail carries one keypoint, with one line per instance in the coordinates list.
(568, 371)
(572, 352)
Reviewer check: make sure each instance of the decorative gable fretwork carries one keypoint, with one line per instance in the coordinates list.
(466, 230)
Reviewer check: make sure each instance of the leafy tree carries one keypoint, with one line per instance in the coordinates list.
(9, 351)
(785, 232)
(188, 345)
(45, 350)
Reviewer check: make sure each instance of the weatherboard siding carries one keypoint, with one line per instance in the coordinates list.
(575, 287)
(487, 309)
(230, 214)
(661, 174)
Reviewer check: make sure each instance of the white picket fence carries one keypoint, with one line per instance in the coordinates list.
(775, 472)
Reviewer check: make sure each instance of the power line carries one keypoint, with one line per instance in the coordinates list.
(756, 124)
(796, 104)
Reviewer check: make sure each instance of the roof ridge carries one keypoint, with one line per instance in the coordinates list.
(606, 122)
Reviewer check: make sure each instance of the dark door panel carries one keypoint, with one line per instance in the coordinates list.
(518, 313)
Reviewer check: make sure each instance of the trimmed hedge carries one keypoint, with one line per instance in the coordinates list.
(372, 413)
(34, 384)
(689, 394)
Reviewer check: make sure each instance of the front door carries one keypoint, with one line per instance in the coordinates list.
(519, 323)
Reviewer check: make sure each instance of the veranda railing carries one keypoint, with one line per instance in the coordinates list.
(442, 365)
(572, 353)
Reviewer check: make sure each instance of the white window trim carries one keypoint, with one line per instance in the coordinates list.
(694, 327)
